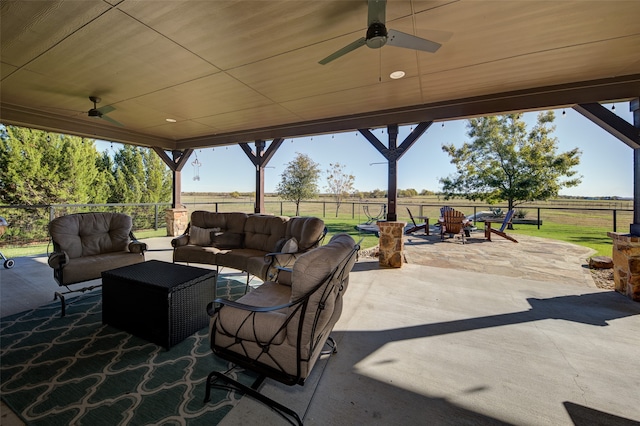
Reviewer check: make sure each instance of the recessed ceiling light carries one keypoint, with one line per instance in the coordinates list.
(396, 75)
(171, 120)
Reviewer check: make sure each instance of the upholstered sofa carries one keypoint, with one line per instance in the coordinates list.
(86, 244)
(253, 243)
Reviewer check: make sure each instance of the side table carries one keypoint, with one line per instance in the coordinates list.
(158, 301)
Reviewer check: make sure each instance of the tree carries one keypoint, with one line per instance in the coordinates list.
(505, 162)
(159, 183)
(299, 180)
(38, 167)
(339, 184)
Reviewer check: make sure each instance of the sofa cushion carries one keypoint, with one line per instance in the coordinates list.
(91, 267)
(195, 254)
(89, 234)
(233, 222)
(227, 240)
(306, 230)
(265, 325)
(262, 232)
(315, 265)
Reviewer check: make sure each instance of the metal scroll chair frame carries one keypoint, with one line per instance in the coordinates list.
(370, 218)
(330, 286)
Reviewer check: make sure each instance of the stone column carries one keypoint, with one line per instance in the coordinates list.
(391, 243)
(626, 264)
(177, 221)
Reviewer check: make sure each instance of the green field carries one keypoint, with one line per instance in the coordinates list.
(586, 224)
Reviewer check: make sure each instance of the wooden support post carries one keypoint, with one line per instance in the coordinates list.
(634, 107)
(260, 160)
(175, 164)
(393, 154)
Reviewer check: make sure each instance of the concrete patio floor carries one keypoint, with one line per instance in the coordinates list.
(481, 333)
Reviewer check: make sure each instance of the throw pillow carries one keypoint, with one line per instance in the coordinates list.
(199, 236)
(227, 240)
(279, 244)
(291, 246)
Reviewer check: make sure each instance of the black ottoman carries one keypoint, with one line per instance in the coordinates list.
(161, 302)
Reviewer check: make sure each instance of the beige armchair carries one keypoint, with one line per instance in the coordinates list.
(86, 244)
(279, 330)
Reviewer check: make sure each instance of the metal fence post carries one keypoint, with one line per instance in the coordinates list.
(615, 221)
(155, 222)
(353, 210)
(324, 209)
(538, 217)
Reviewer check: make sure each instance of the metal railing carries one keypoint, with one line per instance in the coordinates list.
(28, 223)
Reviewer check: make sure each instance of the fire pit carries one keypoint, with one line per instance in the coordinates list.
(8, 263)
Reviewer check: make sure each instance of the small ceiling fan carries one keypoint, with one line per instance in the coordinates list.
(102, 112)
(378, 35)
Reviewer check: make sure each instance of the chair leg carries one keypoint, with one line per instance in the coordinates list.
(285, 412)
(57, 295)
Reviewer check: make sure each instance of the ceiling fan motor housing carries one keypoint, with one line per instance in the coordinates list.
(376, 35)
(94, 113)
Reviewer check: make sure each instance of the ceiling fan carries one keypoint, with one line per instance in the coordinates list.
(378, 35)
(102, 112)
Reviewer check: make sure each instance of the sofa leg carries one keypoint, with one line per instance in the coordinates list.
(252, 391)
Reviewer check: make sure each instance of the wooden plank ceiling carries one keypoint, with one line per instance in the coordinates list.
(236, 71)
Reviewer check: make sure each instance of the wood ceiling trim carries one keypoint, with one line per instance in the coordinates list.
(624, 87)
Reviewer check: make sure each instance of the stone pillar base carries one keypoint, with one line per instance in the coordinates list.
(177, 221)
(626, 264)
(391, 243)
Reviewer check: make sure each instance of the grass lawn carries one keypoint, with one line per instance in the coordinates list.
(592, 237)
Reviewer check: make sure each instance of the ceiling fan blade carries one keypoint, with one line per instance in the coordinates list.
(408, 41)
(348, 48)
(106, 109)
(112, 121)
(377, 11)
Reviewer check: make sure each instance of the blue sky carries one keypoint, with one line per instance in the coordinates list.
(606, 164)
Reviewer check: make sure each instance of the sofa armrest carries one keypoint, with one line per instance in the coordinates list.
(137, 247)
(180, 241)
(58, 259)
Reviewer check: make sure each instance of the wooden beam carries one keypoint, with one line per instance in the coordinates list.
(536, 98)
(610, 122)
(175, 164)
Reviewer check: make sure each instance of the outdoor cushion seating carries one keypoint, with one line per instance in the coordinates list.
(488, 230)
(86, 244)
(279, 329)
(254, 243)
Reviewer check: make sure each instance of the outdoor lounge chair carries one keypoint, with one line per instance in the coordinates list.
(280, 329)
(453, 222)
(416, 226)
(488, 230)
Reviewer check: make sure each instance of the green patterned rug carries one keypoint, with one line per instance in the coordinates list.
(76, 371)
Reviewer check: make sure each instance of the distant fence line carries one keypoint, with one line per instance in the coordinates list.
(28, 223)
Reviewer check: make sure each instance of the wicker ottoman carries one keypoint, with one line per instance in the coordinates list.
(158, 301)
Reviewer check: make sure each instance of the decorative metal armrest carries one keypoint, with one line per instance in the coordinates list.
(58, 259)
(137, 247)
(212, 309)
(180, 241)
